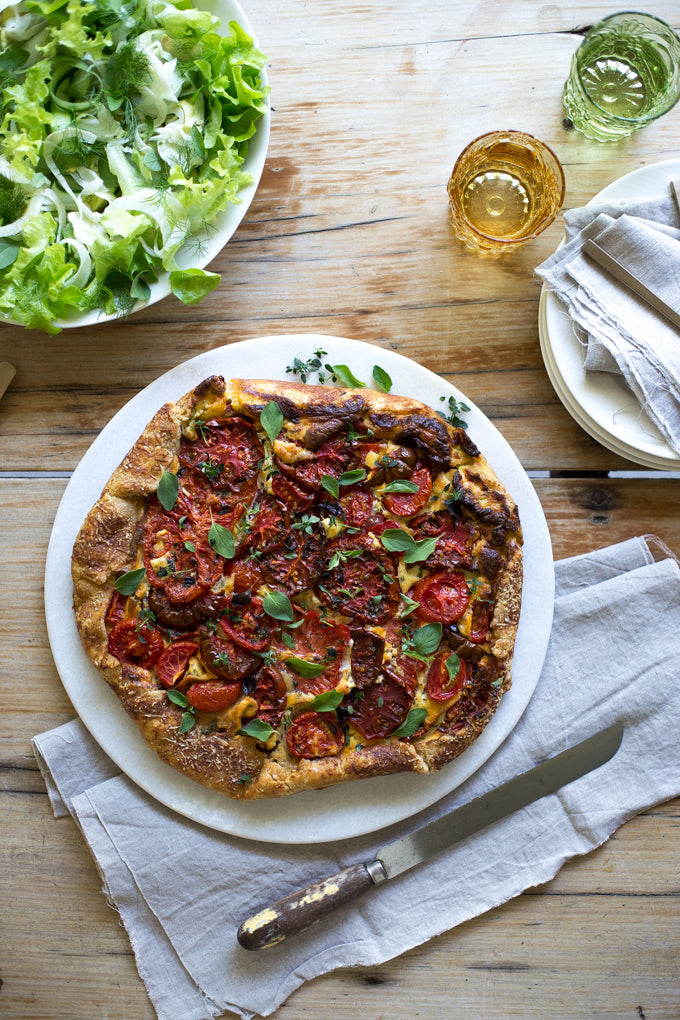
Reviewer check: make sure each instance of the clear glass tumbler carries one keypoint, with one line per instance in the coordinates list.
(624, 75)
(506, 187)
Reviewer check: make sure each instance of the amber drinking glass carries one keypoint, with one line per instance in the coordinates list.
(506, 187)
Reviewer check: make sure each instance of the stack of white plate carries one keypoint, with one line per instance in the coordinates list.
(601, 402)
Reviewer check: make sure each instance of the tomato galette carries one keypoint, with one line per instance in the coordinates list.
(289, 586)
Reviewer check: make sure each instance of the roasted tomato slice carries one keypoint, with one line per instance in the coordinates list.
(443, 598)
(366, 656)
(315, 735)
(330, 459)
(482, 615)
(271, 696)
(117, 608)
(358, 582)
(204, 505)
(378, 709)
(177, 561)
(213, 696)
(174, 660)
(295, 496)
(246, 574)
(406, 504)
(136, 643)
(297, 564)
(246, 622)
(269, 526)
(227, 452)
(453, 541)
(442, 684)
(358, 507)
(317, 642)
(224, 657)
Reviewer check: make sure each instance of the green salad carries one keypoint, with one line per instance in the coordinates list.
(123, 132)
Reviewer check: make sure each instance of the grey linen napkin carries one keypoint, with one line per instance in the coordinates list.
(622, 333)
(182, 890)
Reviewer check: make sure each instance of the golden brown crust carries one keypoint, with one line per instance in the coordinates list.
(109, 544)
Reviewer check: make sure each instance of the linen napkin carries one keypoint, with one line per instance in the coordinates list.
(619, 330)
(182, 890)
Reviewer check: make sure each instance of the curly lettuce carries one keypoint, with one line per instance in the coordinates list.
(124, 127)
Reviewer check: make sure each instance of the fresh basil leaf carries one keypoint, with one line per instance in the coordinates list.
(190, 547)
(326, 702)
(347, 377)
(381, 379)
(421, 550)
(350, 477)
(396, 540)
(331, 485)
(258, 730)
(178, 698)
(222, 540)
(168, 490)
(271, 419)
(452, 666)
(413, 720)
(400, 485)
(9, 252)
(187, 721)
(277, 605)
(305, 669)
(127, 584)
(427, 638)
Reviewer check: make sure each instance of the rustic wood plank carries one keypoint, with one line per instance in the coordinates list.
(602, 935)
(350, 237)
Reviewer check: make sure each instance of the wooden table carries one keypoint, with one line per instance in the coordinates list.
(348, 235)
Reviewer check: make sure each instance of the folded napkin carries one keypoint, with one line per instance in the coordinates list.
(620, 331)
(182, 890)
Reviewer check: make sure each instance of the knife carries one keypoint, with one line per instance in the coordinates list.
(298, 911)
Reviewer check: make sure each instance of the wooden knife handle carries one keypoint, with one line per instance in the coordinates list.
(296, 912)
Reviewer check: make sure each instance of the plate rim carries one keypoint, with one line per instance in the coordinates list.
(551, 308)
(103, 715)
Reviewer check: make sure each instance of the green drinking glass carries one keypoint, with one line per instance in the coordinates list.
(624, 75)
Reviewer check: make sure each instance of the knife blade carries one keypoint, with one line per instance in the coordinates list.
(296, 912)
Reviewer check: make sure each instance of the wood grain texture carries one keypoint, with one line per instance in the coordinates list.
(348, 236)
(599, 941)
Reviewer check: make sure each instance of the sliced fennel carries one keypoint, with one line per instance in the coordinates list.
(124, 126)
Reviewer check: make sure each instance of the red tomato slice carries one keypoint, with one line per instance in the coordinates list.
(319, 642)
(367, 656)
(315, 735)
(443, 598)
(363, 587)
(227, 452)
(246, 573)
(378, 709)
(271, 695)
(269, 527)
(357, 507)
(405, 504)
(482, 615)
(191, 567)
(136, 643)
(441, 686)
(174, 660)
(211, 696)
(248, 624)
(224, 657)
(116, 610)
(297, 564)
(294, 496)
(330, 459)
